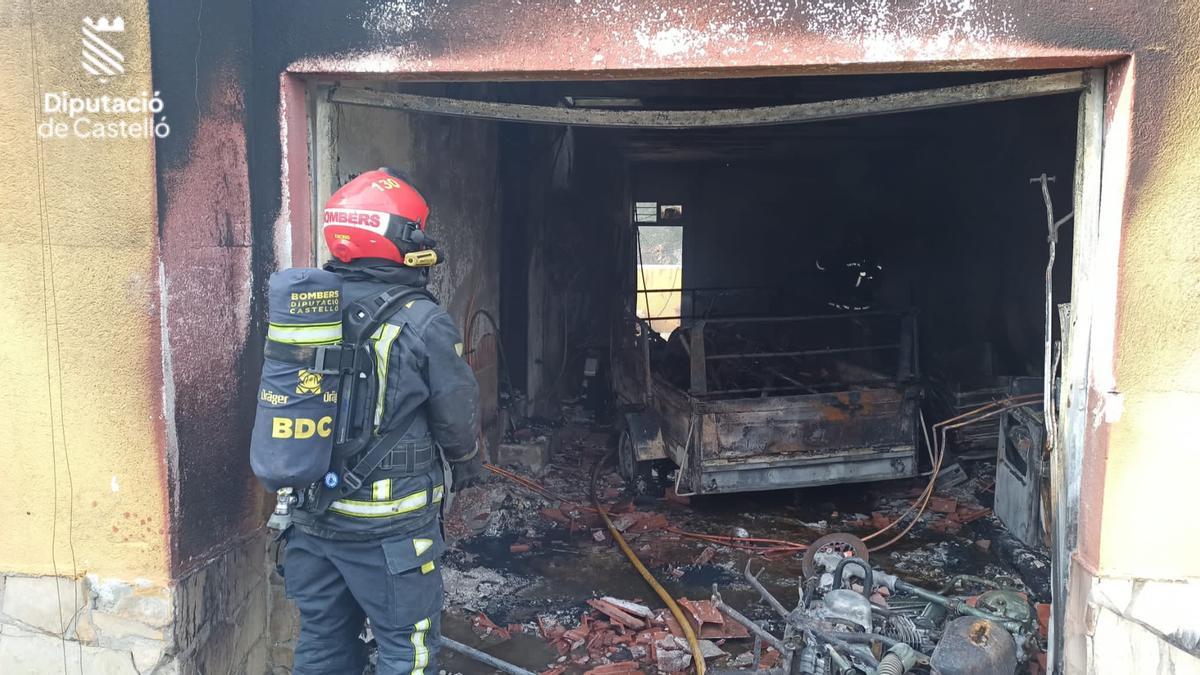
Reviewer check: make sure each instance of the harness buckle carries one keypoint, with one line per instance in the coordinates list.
(351, 481)
(330, 360)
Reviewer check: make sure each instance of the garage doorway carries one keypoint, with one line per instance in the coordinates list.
(788, 198)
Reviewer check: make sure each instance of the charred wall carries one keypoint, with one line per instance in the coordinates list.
(210, 264)
(560, 281)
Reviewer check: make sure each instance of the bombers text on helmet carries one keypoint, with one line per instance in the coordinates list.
(376, 215)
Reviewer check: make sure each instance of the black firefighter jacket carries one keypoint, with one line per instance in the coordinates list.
(428, 388)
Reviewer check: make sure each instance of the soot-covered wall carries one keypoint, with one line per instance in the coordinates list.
(211, 262)
(941, 200)
(563, 208)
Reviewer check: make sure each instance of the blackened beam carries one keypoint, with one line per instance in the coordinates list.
(924, 99)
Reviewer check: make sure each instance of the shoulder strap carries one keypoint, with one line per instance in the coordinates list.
(359, 322)
(365, 315)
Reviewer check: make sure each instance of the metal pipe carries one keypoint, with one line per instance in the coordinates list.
(958, 606)
(868, 575)
(751, 626)
(484, 658)
(857, 638)
(775, 604)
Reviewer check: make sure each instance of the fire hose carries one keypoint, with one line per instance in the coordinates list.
(676, 610)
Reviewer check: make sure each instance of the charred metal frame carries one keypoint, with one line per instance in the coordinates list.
(724, 441)
(907, 367)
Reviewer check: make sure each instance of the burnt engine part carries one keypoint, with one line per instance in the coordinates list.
(972, 646)
(836, 628)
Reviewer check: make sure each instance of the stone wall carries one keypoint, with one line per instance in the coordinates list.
(1143, 626)
(221, 613)
(89, 625)
(212, 621)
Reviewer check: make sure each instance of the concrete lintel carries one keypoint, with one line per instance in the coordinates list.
(925, 99)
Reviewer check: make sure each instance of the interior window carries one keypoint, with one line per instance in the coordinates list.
(659, 268)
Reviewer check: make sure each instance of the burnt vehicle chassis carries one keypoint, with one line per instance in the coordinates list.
(751, 403)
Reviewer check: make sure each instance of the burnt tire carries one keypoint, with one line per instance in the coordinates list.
(847, 545)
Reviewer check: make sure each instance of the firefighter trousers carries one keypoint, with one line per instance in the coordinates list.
(337, 585)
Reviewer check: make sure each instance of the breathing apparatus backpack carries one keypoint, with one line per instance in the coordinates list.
(318, 366)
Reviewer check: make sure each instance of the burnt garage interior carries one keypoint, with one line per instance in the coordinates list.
(742, 308)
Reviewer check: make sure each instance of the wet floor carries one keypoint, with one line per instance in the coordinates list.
(563, 569)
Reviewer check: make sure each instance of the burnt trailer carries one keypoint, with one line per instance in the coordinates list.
(745, 403)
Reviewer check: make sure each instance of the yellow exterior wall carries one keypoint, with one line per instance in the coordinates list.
(81, 427)
(1152, 479)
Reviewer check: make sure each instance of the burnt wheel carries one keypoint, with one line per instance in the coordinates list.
(841, 543)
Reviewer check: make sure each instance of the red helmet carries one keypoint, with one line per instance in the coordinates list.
(376, 215)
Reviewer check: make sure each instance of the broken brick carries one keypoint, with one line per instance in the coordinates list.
(880, 520)
(550, 629)
(486, 626)
(556, 515)
(706, 555)
(638, 610)
(613, 668)
(669, 656)
(703, 611)
(968, 514)
(617, 614)
(519, 548)
(1043, 618)
(624, 521)
(945, 525)
(943, 504)
(650, 521)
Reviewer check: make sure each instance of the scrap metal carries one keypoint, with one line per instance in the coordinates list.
(835, 621)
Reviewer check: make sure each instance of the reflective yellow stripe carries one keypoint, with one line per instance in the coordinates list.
(439, 491)
(305, 334)
(420, 651)
(428, 567)
(381, 490)
(361, 509)
(383, 348)
(422, 545)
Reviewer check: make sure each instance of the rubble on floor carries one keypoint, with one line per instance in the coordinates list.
(533, 577)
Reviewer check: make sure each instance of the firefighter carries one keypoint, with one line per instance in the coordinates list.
(373, 553)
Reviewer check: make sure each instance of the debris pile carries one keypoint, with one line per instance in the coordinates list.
(623, 636)
(562, 604)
